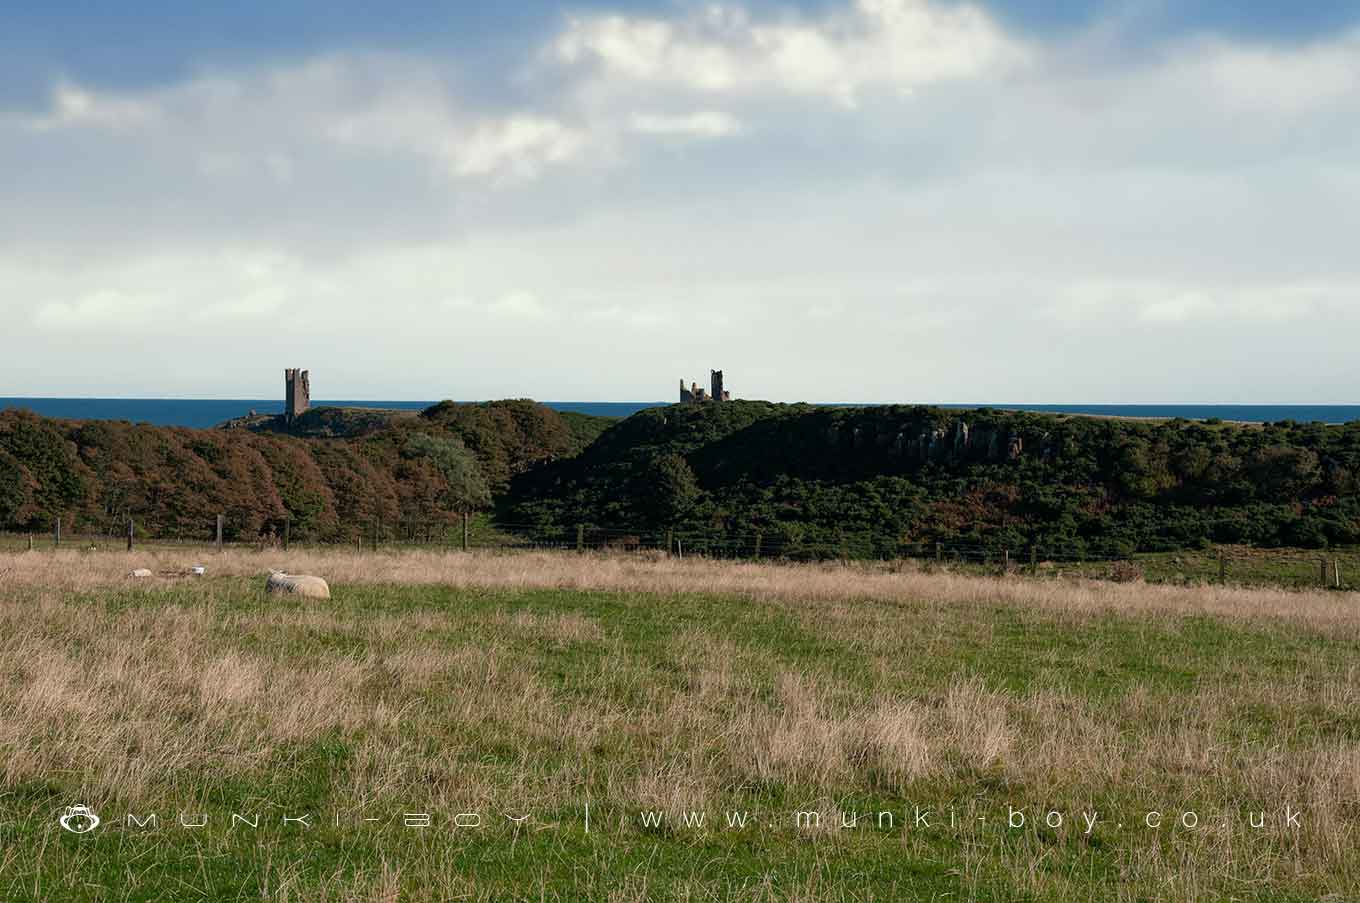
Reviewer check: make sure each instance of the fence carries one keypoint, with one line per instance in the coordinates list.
(1332, 568)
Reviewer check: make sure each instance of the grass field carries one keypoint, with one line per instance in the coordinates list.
(529, 689)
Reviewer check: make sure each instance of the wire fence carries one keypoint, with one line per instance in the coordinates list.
(1330, 568)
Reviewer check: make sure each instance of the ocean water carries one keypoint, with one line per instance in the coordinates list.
(203, 413)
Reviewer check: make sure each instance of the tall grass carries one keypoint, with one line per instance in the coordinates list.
(533, 682)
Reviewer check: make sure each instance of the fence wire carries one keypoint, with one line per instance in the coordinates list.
(1333, 568)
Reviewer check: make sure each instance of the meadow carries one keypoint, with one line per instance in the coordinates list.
(627, 728)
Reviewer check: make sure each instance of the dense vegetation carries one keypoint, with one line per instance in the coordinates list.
(401, 471)
(806, 480)
(876, 479)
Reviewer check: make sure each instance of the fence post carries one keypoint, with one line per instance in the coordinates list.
(758, 539)
(287, 530)
(1336, 571)
(670, 542)
(1222, 567)
(219, 534)
(56, 533)
(1006, 561)
(1324, 573)
(130, 528)
(30, 542)
(580, 537)
(377, 533)
(939, 553)
(1034, 559)
(465, 531)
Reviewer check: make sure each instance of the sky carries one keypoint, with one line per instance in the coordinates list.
(832, 200)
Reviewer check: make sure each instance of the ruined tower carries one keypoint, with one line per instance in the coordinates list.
(297, 393)
(695, 395)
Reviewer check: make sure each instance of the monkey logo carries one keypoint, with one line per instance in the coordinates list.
(79, 820)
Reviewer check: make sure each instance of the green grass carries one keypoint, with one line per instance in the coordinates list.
(638, 654)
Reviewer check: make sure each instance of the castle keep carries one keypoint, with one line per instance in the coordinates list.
(694, 394)
(297, 393)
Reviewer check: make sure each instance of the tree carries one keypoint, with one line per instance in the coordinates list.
(466, 489)
(673, 488)
(1283, 473)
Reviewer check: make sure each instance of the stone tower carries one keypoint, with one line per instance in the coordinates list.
(297, 393)
(716, 392)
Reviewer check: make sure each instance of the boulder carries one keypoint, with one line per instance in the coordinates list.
(297, 585)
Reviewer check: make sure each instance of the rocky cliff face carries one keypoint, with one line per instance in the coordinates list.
(954, 443)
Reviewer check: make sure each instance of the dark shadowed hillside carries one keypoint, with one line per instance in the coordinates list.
(806, 475)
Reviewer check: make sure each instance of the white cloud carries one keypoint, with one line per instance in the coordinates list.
(520, 306)
(1179, 307)
(99, 310)
(522, 145)
(73, 106)
(516, 145)
(1168, 304)
(1286, 80)
(877, 44)
(383, 104)
(706, 124)
(634, 316)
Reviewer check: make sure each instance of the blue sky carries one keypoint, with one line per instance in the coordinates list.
(142, 43)
(884, 200)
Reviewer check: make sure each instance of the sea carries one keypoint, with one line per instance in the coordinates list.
(202, 413)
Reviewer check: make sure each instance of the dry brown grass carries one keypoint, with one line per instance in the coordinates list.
(74, 570)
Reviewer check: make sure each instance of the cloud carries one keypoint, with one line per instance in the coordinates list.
(1205, 303)
(99, 310)
(517, 145)
(520, 306)
(383, 104)
(707, 124)
(887, 201)
(72, 106)
(1283, 80)
(522, 145)
(877, 44)
(1179, 307)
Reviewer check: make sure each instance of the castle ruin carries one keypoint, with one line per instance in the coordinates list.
(694, 394)
(297, 393)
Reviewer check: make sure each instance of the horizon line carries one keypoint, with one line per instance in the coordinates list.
(992, 404)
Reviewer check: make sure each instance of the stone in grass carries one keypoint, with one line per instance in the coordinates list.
(280, 583)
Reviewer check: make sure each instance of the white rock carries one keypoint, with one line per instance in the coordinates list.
(297, 585)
